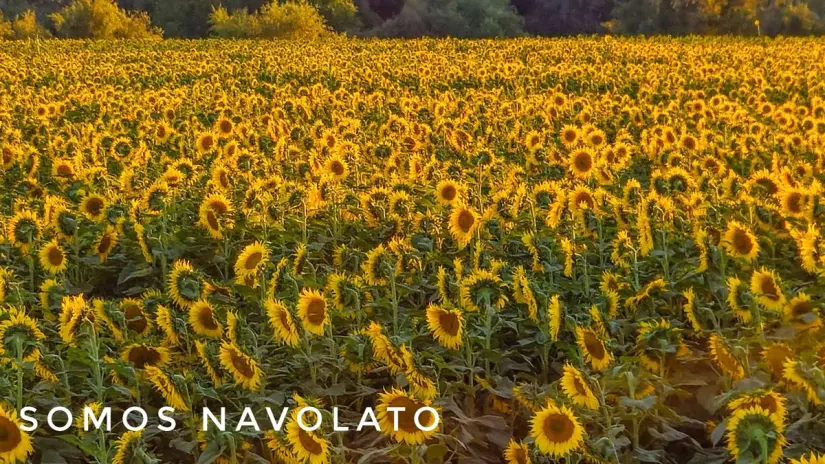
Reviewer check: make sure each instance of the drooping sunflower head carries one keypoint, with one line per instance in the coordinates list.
(379, 266)
(517, 452)
(765, 286)
(755, 435)
(807, 378)
(253, 257)
(577, 388)
(802, 312)
(593, 349)
(20, 337)
(23, 230)
(725, 358)
(306, 446)
(658, 341)
(557, 431)
(186, 286)
(129, 444)
(738, 299)
(282, 322)
(482, 289)
(770, 401)
(775, 356)
(136, 318)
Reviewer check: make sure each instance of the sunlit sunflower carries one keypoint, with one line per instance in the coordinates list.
(282, 323)
(165, 385)
(802, 312)
(244, 368)
(186, 287)
(577, 388)
(659, 342)
(73, 310)
(20, 332)
(554, 317)
(313, 311)
(739, 241)
(407, 432)
(725, 358)
(593, 349)
(15, 444)
(765, 286)
(745, 425)
(447, 326)
(448, 192)
(142, 355)
(213, 215)
(53, 258)
(165, 320)
(775, 356)
(253, 257)
(737, 291)
(206, 142)
(570, 136)
(581, 163)
(812, 458)
(557, 431)
(203, 319)
(337, 167)
(463, 223)
(517, 452)
(306, 446)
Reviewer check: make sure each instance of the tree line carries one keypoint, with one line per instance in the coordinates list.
(406, 18)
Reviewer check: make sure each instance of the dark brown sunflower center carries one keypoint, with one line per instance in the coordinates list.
(105, 244)
(406, 418)
(316, 311)
(582, 161)
(253, 260)
(142, 356)
(207, 319)
(768, 288)
(309, 443)
(584, 197)
(742, 242)
(794, 202)
(337, 168)
(64, 170)
(136, 319)
(466, 221)
(558, 428)
(212, 220)
(570, 136)
(93, 206)
(242, 364)
(55, 256)
(226, 126)
(10, 435)
(449, 323)
(449, 192)
(593, 345)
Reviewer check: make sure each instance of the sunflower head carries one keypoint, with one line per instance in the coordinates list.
(313, 310)
(557, 431)
(755, 435)
(15, 444)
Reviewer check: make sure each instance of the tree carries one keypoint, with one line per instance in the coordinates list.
(101, 19)
(455, 18)
(290, 20)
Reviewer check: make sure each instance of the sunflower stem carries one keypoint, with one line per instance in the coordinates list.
(394, 292)
(18, 347)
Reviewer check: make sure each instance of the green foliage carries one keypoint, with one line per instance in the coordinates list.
(290, 20)
(455, 18)
(24, 26)
(339, 14)
(101, 19)
(6, 30)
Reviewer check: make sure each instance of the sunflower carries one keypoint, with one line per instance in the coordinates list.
(690, 308)
(282, 322)
(53, 258)
(517, 452)
(206, 142)
(737, 290)
(94, 207)
(244, 368)
(765, 286)
(186, 287)
(482, 288)
(64, 222)
(206, 353)
(755, 435)
(739, 241)
(203, 320)
(576, 388)
(165, 385)
(448, 192)
(142, 355)
(105, 243)
(724, 358)
(15, 444)
(378, 266)
(306, 446)
(213, 215)
(408, 431)
(72, 313)
(657, 341)
(463, 223)
(166, 322)
(557, 431)
(21, 332)
(127, 447)
(447, 326)
(23, 230)
(581, 163)
(313, 311)
(804, 377)
(136, 318)
(593, 349)
(336, 167)
(253, 257)
(570, 136)
(775, 356)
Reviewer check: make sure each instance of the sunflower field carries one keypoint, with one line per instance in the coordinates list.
(589, 250)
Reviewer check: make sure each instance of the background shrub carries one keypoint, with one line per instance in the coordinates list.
(101, 19)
